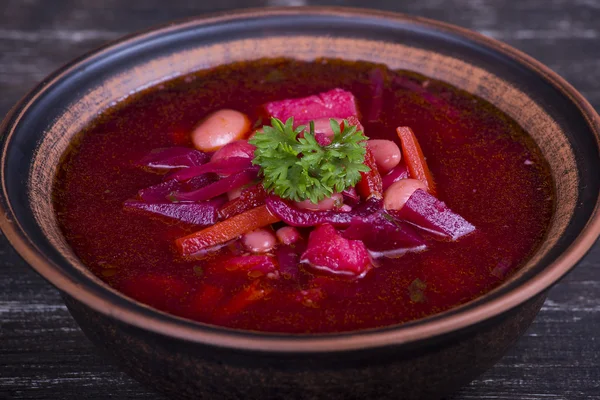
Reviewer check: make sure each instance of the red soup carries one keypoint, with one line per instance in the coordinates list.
(300, 197)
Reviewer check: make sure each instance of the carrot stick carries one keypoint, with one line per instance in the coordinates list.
(225, 231)
(414, 159)
(370, 184)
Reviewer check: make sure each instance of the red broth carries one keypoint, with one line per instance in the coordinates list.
(486, 168)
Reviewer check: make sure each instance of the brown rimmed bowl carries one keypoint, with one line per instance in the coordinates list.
(184, 359)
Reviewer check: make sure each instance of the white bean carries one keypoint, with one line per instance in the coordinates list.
(220, 128)
(259, 241)
(335, 201)
(398, 193)
(288, 235)
(386, 153)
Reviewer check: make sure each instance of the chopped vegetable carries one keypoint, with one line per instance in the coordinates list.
(384, 235)
(397, 173)
(414, 159)
(303, 218)
(225, 231)
(223, 166)
(173, 158)
(336, 103)
(370, 184)
(202, 214)
(288, 258)
(239, 148)
(159, 193)
(350, 196)
(328, 251)
(220, 187)
(250, 197)
(432, 215)
(298, 168)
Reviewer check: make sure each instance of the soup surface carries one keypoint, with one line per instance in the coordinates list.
(485, 168)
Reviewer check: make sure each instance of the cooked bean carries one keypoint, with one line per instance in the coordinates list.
(387, 154)
(259, 241)
(398, 193)
(220, 128)
(288, 235)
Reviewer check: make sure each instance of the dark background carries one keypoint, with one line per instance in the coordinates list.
(43, 354)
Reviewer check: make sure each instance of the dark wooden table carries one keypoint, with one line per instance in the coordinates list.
(44, 355)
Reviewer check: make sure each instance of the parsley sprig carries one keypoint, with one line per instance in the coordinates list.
(299, 168)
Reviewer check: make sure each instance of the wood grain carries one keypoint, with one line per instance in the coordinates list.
(43, 354)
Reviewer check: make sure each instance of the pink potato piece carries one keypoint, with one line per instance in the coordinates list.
(328, 251)
(336, 103)
(428, 213)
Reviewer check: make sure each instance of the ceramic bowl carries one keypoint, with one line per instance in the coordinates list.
(184, 359)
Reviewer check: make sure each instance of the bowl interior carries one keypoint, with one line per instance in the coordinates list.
(42, 126)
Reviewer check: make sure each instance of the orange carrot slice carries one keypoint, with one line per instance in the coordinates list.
(225, 231)
(414, 159)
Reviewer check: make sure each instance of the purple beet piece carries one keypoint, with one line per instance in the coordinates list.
(395, 174)
(160, 193)
(203, 214)
(223, 166)
(432, 215)
(288, 258)
(377, 79)
(350, 196)
(336, 103)
(238, 148)
(173, 158)
(218, 188)
(384, 235)
(303, 218)
(328, 251)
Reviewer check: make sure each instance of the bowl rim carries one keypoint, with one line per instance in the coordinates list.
(154, 321)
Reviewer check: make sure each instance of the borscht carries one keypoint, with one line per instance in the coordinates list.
(303, 197)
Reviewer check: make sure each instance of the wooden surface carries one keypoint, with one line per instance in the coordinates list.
(44, 355)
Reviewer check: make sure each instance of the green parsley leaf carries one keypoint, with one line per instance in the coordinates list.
(299, 168)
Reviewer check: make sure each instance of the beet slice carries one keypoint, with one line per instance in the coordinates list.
(303, 218)
(383, 235)
(432, 215)
(203, 214)
(328, 251)
(218, 188)
(159, 193)
(336, 103)
(395, 174)
(173, 158)
(223, 166)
